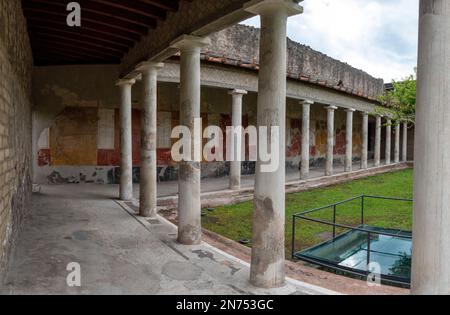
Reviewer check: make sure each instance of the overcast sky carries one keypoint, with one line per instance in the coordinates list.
(377, 36)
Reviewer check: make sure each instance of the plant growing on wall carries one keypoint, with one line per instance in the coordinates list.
(401, 100)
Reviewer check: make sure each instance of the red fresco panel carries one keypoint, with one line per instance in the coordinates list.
(44, 157)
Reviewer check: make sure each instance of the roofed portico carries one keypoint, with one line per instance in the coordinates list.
(160, 59)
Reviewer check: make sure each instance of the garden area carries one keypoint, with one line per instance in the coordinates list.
(235, 221)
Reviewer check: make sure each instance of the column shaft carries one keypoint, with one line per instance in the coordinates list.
(189, 183)
(236, 141)
(405, 142)
(365, 140)
(268, 248)
(388, 141)
(306, 122)
(330, 141)
(148, 179)
(349, 141)
(126, 154)
(397, 144)
(431, 233)
(378, 141)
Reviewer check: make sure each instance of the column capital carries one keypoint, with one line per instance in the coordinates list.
(147, 66)
(186, 42)
(306, 102)
(331, 108)
(364, 113)
(260, 7)
(123, 82)
(350, 110)
(238, 92)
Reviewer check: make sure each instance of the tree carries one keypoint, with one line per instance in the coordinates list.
(401, 100)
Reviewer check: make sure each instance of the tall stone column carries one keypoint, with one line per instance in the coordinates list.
(306, 123)
(268, 250)
(189, 183)
(405, 142)
(236, 141)
(431, 233)
(365, 140)
(329, 169)
(126, 141)
(378, 141)
(349, 141)
(397, 144)
(388, 141)
(148, 179)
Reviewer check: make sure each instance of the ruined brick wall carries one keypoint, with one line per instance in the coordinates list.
(15, 125)
(241, 43)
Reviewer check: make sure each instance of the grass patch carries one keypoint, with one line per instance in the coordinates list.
(235, 221)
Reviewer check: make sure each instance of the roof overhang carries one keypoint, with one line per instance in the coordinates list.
(122, 32)
(110, 28)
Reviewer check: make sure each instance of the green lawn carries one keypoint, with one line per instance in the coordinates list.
(235, 222)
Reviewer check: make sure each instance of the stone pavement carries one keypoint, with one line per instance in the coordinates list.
(118, 252)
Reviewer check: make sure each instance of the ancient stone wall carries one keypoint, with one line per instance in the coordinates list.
(241, 43)
(15, 125)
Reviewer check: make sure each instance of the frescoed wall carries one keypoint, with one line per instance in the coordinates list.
(77, 129)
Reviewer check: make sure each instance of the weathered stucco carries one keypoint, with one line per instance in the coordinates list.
(15, 125)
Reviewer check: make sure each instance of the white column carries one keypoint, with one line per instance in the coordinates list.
(126, 141)
(405, 142)
(397, 144)
(388, 141)
(236, 141)
(378, 141)
(330, 141)
(148, 179)
(431, 232)
(268, 249)
(349, 141)
(306, 123)
(365, 140)
(189, 189)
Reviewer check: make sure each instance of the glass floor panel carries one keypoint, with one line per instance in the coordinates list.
(349, 250)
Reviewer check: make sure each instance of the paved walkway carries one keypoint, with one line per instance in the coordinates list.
(118, 252)
(166, 189)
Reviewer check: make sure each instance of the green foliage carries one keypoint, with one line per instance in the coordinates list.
(402, 100)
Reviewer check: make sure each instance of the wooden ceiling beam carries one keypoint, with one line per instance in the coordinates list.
(91, 17)
(80, 40)
(169, 5)
(136, 7)
(95, 51)
(103, 30)
(94, 8)
(109, 28)
(83, 34)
